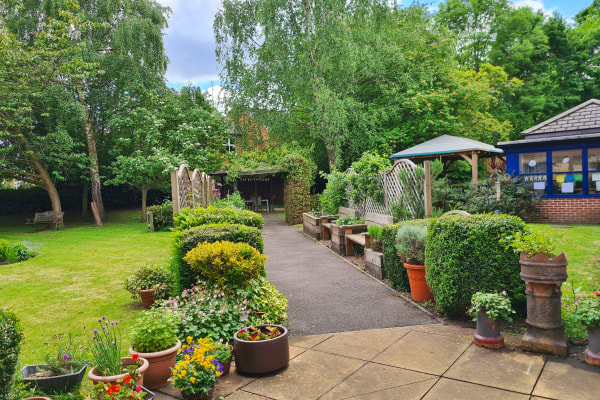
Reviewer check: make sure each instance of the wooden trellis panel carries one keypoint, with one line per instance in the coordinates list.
(191, 190)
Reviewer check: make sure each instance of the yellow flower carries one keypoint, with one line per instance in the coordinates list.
(189, 340)
(192, 379)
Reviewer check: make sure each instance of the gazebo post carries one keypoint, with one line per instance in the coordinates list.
(474, 169)
(427, 189)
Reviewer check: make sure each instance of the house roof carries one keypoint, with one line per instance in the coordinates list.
(446, 145)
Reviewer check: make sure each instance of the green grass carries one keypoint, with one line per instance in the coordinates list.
(76, 278)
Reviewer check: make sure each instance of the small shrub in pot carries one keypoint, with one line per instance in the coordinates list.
(150, 277)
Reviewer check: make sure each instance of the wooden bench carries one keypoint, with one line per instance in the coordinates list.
(363, 238)
(342, 211)
(48, 218)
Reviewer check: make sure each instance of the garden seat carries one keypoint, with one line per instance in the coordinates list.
(46, 217)
(363, 239)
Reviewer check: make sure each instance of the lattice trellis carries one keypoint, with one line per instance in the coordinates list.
(393, 190)
(191, 190)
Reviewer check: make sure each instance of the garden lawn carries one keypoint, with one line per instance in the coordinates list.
(581, 243)
(76, 278)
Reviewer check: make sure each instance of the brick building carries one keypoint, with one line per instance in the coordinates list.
(561, 158)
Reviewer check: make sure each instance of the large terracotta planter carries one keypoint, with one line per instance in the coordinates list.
(263, 356)
(95, 377)
(160, 364)
(419, 289)
(592, 352)
(488, 332)
(148, 296)
(59, 382)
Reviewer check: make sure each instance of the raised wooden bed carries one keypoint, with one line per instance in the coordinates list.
(313, 226)
(338, 236)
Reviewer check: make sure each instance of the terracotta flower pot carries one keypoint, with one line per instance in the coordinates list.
(148, 296)
(419, 289)
(488, 332)
(262, 356)
(160, 364)
(95, 377)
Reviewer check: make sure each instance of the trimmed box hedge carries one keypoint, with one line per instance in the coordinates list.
(191, 217)
(188, 239)
(464, 255)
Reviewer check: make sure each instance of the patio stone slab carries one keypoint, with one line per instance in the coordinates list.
(449, 330)
(308, 376)
(424, 352)
(361, 344)
(447, 389)
(381, 382)
(296, 351)
(504, 369)
(231, 383)
(242, 395)
(568, 379)
(308, 341)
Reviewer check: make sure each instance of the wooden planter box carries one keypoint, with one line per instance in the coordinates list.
(313, 226)
(374, 264)
(338, 236)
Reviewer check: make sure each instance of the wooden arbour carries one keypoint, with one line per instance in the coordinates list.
(191, 189)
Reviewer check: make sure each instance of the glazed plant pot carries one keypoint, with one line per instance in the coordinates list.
(160, 364)
(419, 289)
(60, 382)
(592, 352)
(263, 356)
(488, 332)
(95, 377)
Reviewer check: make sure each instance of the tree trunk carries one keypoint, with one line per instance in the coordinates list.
(330, 155)
(144, 190)
(91, 142)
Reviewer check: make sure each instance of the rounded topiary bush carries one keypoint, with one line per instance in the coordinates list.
(226, 263)
(464, 255)
(11, 335)
(191, 217)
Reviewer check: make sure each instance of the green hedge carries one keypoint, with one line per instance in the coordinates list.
(188, 239)
(191, 217)
(464, 256)
(162, 215)
(393, 265)
(11, 335)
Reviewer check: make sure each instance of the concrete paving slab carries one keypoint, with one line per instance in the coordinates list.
(447, 389)
(308, 376)
(501, 368)
(243, 395)
(568, 379)
(361, 344)
(424, 352)
(296, 351)
(381, 382)
(448, 330)
(231, 383)
(308, 341)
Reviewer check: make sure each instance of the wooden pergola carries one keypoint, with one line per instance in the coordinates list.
(449, 149)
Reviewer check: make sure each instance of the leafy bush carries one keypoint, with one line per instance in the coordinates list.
(410, 243)
(496, 305)
(226, 263)
(265, 303)
(191, 217)
(11, 335)
(162, 215)
(3, 245)
(532, 242)
(335, 194)
(464, 255)
(365, 182)
(296, 189)
(188, 239)
(150, 277)
(154, 330)
(391, 261)
(13, 252)
(570, 300)
(232, 200)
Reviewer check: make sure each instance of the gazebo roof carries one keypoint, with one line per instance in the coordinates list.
(449, 146)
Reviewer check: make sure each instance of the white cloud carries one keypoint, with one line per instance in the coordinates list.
(215, 95)
(535, 5)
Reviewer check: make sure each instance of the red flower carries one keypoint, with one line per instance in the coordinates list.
(113, 389)
(134, 357)
(127, 379)
(138, 389)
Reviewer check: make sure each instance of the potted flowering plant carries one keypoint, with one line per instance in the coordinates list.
(261, 349)
(63, 370)
(149, 282)
(486, 309)
(105, 350)
(197, 371)
(124, 389)
(588, 315)
(223, 353)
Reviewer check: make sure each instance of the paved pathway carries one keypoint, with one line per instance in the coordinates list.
(325, 293)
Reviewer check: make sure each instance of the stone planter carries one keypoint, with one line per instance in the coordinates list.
(338, 236)
(263, 356)
(488, 332)
(61, 382)
(159, 368)
(592, 352)
(543, 278)
(374, 264)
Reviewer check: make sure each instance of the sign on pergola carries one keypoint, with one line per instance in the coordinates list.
(448, 148)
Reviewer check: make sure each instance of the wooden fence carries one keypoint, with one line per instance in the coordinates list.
(191, 190)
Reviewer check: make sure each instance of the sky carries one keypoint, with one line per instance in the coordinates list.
(190, 44)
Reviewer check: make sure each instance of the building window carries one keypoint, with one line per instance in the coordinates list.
(567, 172)
(532, 167)
(594, 171)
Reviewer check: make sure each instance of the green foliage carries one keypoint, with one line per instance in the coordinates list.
(150, 277)
(13, 252)
(162, 215)
(232, 200)
(104, 346)
(11, 335)
(410, 243)
(154, 330)
(265, 303)
(392, 262)
(496, 305)
(189, 217)
(532, 242)
(66, 360)
(365, 182)
(226, 263)
(570, 299)
(186, 240)
(335, 194)
(349, 220)
(296, 191)
(375, 232)
(464, 255)
(4, 244)
(588, 313)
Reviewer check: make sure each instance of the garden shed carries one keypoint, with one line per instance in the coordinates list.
(260, 189)
(561, 158)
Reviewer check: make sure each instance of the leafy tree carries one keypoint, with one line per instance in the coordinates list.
(32, 70)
